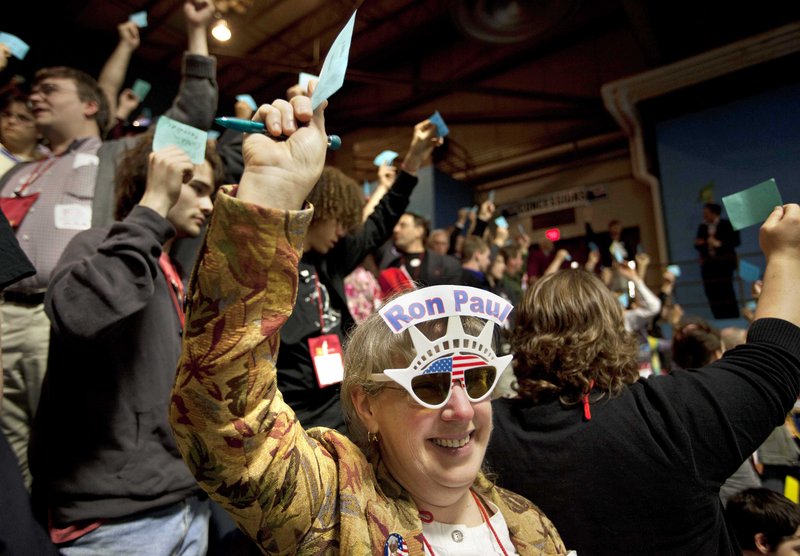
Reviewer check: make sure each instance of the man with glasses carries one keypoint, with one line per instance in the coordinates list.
(48, 202)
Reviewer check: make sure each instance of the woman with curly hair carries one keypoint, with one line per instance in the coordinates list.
(629, 466)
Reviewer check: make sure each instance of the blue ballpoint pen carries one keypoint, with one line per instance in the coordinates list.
(249, 126)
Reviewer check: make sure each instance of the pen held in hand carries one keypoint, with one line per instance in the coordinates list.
(249, 126)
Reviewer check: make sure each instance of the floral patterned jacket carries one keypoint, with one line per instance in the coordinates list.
(292, 491)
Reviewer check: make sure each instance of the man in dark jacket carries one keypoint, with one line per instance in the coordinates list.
(716, 241)
(106, 469)
(408, 253)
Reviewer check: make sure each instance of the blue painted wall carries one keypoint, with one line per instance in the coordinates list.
(735, 146)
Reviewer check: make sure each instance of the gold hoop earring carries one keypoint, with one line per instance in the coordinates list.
(372, 437)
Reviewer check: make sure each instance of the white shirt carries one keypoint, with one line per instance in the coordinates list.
(474, 541)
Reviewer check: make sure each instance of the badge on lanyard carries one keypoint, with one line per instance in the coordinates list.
(326, 354)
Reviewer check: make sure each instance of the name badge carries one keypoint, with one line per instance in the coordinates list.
(85, 159)
(326, 354)
(73, 217)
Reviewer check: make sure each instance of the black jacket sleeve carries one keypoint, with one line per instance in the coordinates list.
(104, 276)
(377, 229)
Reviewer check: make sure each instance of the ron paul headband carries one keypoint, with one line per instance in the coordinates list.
(456, 357)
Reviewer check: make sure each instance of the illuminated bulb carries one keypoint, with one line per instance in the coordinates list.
(221, 31)
(574, 264)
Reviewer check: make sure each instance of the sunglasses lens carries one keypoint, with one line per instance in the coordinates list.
(479, 380)
(432, 388)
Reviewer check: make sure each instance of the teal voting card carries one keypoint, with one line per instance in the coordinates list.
(191, 140)
(331, 78)
(386, 157)
(251, 102)
(141, 88)
(749, 272)
(441, 128)
(139, 18)
(753, 205)
(16, 45)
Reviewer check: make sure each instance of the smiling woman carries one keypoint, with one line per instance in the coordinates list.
(407, 477)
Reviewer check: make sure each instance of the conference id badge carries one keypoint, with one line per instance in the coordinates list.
(73, 217)
(326, 353)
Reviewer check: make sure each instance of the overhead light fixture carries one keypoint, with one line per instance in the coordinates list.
(221, 31)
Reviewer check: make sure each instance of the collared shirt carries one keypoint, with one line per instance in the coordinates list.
(66, 193)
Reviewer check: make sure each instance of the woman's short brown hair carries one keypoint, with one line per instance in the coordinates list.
(570, 332)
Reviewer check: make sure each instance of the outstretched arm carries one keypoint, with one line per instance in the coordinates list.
(780, 241)
(113, 73)
(241, 441)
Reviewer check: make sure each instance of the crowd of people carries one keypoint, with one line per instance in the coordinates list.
(349, 380)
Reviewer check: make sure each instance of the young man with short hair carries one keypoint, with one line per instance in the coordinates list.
(106, 470)
(475, 258)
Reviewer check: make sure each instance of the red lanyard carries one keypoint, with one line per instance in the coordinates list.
(37, 173)
(486, 520)
(174, 284)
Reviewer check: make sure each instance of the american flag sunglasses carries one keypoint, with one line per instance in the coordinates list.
(432, 385)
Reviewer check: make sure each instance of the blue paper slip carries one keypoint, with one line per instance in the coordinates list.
(213, 134)
(675, 270)
(16, 45)
(141, 88)
(251, 102)
(624, 300)
(593, 246)
(490, 197)
(749, 272)
(331, 78)
(139, 18)
(304, 78)
(191, 140)
(474, 208)
(386, 157)
(366, 189)
(568, 257)
(617, 252)
(501, 222)
(441, 128)
(753, 205)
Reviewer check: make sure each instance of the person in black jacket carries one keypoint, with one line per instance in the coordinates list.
(309, 361)
(107, 475)
(716, 241)
(629, 467)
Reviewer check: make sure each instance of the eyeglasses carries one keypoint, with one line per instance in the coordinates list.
(432, 386)
(47, 89)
